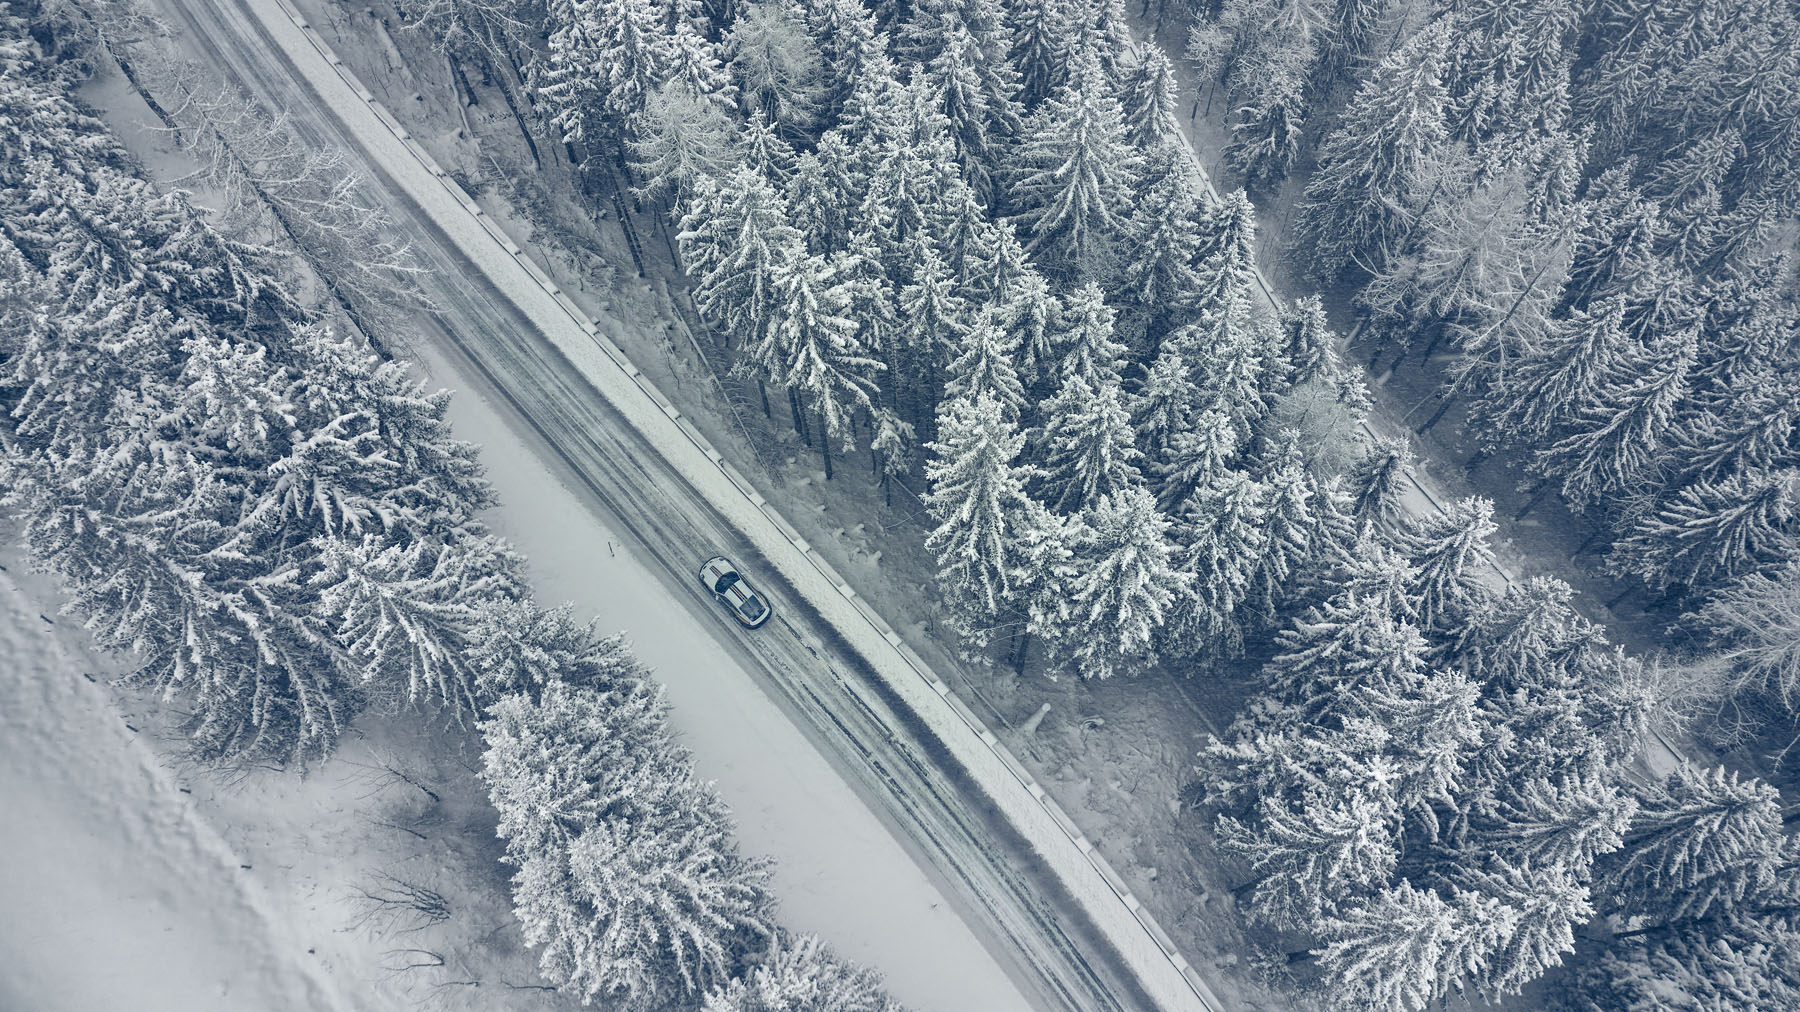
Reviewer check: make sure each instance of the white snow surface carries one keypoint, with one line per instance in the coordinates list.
(114, 892)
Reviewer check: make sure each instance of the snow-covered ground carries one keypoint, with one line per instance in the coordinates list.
(116, 892)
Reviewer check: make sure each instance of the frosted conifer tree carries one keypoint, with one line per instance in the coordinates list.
(1311, 855)
(1120, 588)
(1702, 841)
(1571, 820)
(1041, 46)
(1221, 542)
(986, 366)
(1149, 102)
(1072, 184)
(1090, 350)
(734, 239)
(1089, 450)
(803, 975)
(1163, 407)
(775, 65)
(603, 60)
(761, 148)
(1159, 267)
(1377, 484)
(1404, 950)
(1366, 167)
(679, 139)
(825, 362)
(1447, 550)
(1196, 457)
(956, 77)
(988, 526)
(1755, 624)
(1614, 440)
(628, 879)
(1713, 531)
(1032, 312)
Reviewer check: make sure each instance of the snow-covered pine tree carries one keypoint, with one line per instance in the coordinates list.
(1614, 441)
(1041, 31)
(1540, 909)
(803, 975)
(1754, 624)
(1196, 456)
(1429, 726)
(934, 323)
(1221, 542)
(678, 139)
(1149, 102)
(825, 363)
(1447, 550)
(734, 239)
(1702, 841)
(1571, 820)
(1271, 88)
(1377, 484)
(956, 78)
(1074, 168)
(1033, 313)
(1542, 392)
(759, 146)
(1088, 449)
(1163, 407)
(1292, 523)
(1158, 270)
(1089, 348)
(1354, 202)
(602, 61)
(628, 879)
(1354, 641)
(1119, 588)
(990, 535)
(1710, 532)
(1405, 949)
(405, 612)
(986, 366)
(1313, 853)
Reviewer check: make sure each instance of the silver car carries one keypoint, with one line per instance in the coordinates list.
(747, 606)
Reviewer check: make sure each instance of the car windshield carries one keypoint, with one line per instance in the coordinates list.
(752, 608)
(725, 582)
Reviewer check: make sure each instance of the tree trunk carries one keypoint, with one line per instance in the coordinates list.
(825, 444)
(1436, 416)
(799, 417)
(1620, 596)
(1479, 458)
(1532, 501)
(762, 390)
(1021, 649)
(1599, 532)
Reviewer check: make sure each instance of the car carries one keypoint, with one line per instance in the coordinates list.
(721, 578)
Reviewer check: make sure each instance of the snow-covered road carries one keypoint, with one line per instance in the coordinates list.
(1027, 894)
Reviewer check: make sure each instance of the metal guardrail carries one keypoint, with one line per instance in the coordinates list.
(919, 667)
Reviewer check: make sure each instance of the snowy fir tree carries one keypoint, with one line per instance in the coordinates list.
(1222, 539)
(991, 534)
(1447, 551)
(1117, 589)
(628, 879)
(1073, 173)
(1377, 485)
(1308, 855)
(1088, 445)
(604, 59)
(823, 361)
(734, 241)
(1149, 102)
(774, 64)
(1367, 167)
(986, 366)
(802, 975)
(1405, 950)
